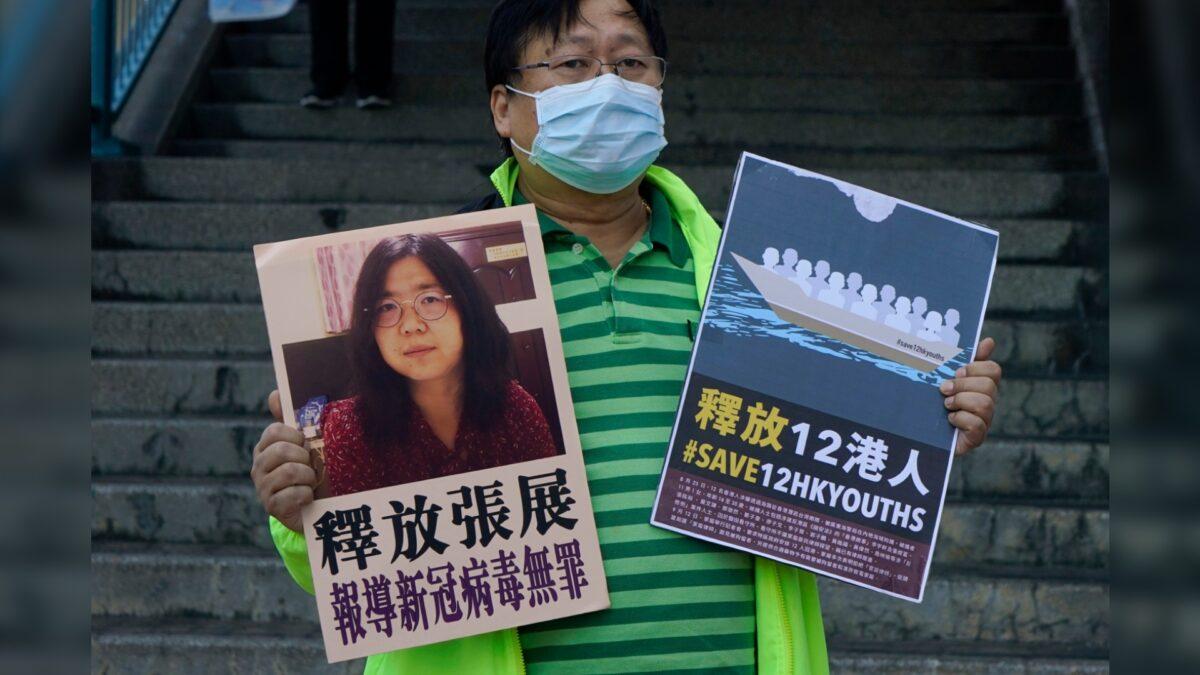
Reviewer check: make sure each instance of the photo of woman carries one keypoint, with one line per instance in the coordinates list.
(432, 392)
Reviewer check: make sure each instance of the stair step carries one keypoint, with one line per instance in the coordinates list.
(190, 446)
(1031, 407)
(967, 194)
(483, 154)
(227, 512)
(204, 330)
(226, 276)
(875, 132)
(200, 330)
(719, 72)
(457, 60)
(963, 658)
(984, 610)
(729, 22)
(217, 226)
(192, 645)
(238, 227)
(957, 607)
(201, 646)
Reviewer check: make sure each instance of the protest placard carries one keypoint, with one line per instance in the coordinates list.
(423, 364)
(811, 429)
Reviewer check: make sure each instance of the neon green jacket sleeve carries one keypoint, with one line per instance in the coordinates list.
(294, 552)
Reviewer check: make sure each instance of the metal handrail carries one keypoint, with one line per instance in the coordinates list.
(124, 33)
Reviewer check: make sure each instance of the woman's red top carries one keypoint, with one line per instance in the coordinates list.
(350, 466)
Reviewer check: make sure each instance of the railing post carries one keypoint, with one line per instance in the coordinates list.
(103, 143)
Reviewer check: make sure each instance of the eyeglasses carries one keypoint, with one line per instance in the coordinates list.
(573, 69)
(430, 306)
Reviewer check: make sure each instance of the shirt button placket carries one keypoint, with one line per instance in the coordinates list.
(612, 300)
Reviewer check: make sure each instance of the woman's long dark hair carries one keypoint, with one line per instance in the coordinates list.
(384, 399)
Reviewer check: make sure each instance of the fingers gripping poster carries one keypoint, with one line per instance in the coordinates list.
(422, 362)
(811, 429)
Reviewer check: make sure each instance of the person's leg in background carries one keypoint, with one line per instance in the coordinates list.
(373, 39)
(329, 23)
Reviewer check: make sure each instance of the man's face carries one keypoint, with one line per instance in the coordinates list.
(609, 30)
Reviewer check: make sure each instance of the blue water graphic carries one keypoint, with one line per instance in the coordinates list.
(737, 308)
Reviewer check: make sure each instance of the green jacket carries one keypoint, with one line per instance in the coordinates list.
(791, 634)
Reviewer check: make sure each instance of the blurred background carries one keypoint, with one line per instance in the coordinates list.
(44, 327)
(1155, 141)
(993, 110)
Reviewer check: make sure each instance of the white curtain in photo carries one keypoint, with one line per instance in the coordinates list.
(337, 272)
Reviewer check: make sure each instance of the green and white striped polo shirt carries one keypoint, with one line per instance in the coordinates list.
(678, 604)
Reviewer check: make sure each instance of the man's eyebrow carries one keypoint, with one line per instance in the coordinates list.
(629, 39)
(578, 39)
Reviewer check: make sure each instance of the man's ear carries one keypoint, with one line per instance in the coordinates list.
(500, 114)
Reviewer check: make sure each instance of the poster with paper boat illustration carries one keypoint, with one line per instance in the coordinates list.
(811, 429)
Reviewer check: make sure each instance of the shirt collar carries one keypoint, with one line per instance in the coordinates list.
(663, 231)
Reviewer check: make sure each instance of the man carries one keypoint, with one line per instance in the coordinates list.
(630, 250)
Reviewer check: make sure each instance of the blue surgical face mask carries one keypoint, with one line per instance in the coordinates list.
(598, 135)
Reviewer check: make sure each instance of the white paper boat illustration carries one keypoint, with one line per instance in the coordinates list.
(790, 304)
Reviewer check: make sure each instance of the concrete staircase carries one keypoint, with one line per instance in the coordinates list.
(970, 106)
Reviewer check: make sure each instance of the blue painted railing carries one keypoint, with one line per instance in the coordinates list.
(124, 33)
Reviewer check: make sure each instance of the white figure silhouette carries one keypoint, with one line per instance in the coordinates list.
(919, 306)
(788, 268)
(918, 313)
(933, 327)
(949, 335)
(770, 258)
(853, 284)
(833, 294)
(863, 307)
(822, 272)
(802, 278)
(899, 320)
(884, 306)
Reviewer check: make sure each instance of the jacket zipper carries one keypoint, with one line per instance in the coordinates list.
(787, 627)
(520, 651)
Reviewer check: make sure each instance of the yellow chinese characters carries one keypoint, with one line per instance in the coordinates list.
(722, 411)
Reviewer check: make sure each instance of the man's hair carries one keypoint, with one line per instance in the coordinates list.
(384, 402)
(516, 23)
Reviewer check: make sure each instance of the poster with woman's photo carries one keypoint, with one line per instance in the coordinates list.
(423, 364)
(811, 429)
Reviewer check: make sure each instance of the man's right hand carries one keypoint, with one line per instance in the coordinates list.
(283, 472)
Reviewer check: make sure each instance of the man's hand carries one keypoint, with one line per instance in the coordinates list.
(283, 474)
(971, 397)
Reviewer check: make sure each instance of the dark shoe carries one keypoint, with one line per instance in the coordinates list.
(373, 102)
(314, 101)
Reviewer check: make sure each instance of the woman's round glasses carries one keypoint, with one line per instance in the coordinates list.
(573, 69)
(429, 305)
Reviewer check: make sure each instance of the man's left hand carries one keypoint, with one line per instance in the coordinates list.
(971, 397)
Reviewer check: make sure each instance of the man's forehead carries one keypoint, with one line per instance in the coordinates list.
(592, 37)
(614, 24)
